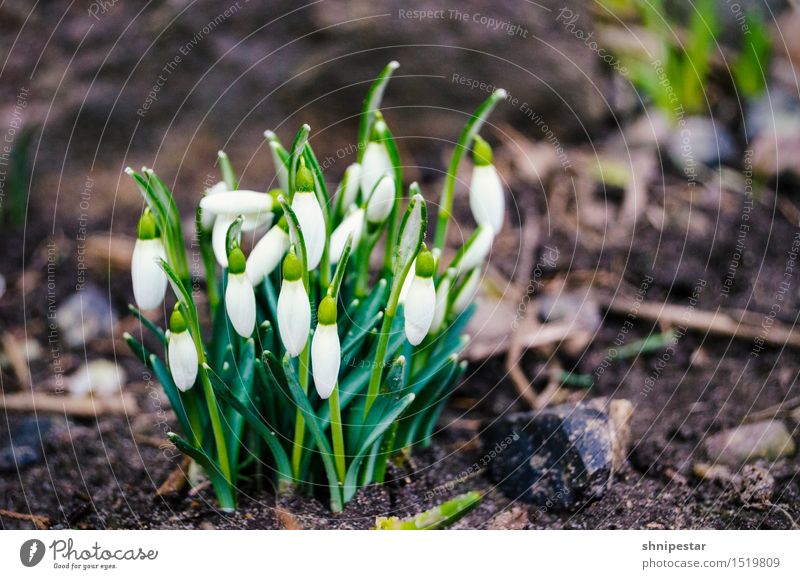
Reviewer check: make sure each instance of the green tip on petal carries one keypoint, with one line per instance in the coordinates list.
(292, 269)
(236, 261)
(177, 323)
(326, 315)
(147, 225)
(275, 194)
(482, 152)
(425, 263)
(283, 224)
(305, 179)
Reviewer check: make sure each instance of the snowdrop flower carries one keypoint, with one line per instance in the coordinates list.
(255, 207)
(181, 352)
(407, 282)
(486, 191)
(376, 161)
(206, 217)
(353, 225)
(421, 299)
(467, 292)
(309, 215)
(326, 351)
(442, 297)
(381, 201)
(475, 250)
(348, 190)
(268, 253)
(149, 280)
(294, 309)
(240, 300)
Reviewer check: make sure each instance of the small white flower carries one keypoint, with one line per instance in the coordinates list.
(350, 184)
(312, 224)
(353, 225)
(374, 165)
(240, 303)
(326, 350)
(442, 297)
(267, 254)
(467, 292)
(181, 353)
(486, 197)
(294, 309)
(255, 207)
(477, 248)
(149, 280)
(207, 217)
(381, 201)
(420, 303)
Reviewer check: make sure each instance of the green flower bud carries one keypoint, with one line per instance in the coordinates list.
(177, 323)
(236, 261)
(304, 180)
(326, 315)
(482, 152)
(292, 268)
(425, 263)
(148, 229)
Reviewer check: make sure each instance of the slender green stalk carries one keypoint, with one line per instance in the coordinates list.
(383, 342)
(337, 435)
(464, 142)
(300, 423)
(216, 426)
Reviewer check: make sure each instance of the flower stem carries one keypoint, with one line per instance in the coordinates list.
(337, 435)
(380, 354)
(216, 425)
(300, 423)
(464, 142)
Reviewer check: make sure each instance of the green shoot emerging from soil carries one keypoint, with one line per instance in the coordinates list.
(303, 365)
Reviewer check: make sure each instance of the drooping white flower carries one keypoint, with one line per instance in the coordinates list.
(309, 215)
(486, 197)
(381, 201)
(407, 282)
(348, 190)
(240, 300)
(267, 254)
(294, 309)
(207, 217)
(326, 350)
(374, 165)
(476, 249)
(442, 297)
(420, 303)
(353, 225)
(149, 280)
(255, 207)
(467, 292)
(181, 353)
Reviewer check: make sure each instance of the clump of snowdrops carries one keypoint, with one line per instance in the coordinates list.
(303, 365)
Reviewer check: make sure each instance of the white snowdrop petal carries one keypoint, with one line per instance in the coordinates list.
(352, 224)
(294, 316)
(267, 254)
(478, 249)
(218, 235)
(149, 280)
(253, 221)
(183, 360)
(486, 197)
(312, 224)
(326, 355)
(374, 165)
(240, 202)
(407, 282)
(352, 182)
(240, 303)
(380, 203)
(467, 292)
(442, 295)
(419, 309)
(207, 217)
